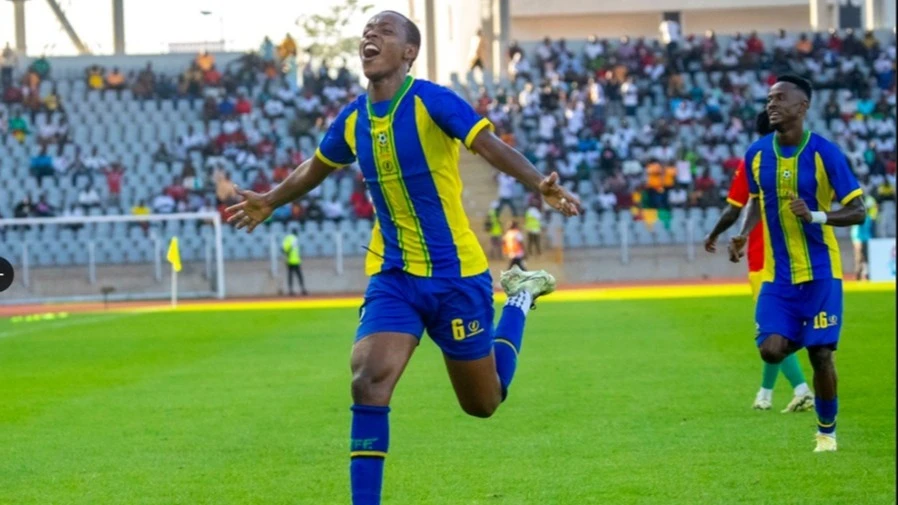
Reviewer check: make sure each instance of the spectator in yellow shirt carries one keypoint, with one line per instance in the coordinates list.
(287, 48)
(95, 77)
(141, 209)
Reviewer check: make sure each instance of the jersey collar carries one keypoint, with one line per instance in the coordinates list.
(801, 145)
(394, 103)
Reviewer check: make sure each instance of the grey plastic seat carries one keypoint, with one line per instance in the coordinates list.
(592, 238)
(663, 236)
(572, 238)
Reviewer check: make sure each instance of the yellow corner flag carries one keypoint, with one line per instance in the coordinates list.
(174, 255)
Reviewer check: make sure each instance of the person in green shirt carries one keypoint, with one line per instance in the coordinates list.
(290, 248)
(17, 126)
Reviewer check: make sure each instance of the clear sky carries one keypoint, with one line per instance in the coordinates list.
(150, 25)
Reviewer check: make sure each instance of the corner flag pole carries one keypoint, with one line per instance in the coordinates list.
(174, 257)
(174, 287)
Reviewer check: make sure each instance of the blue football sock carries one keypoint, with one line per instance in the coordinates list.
(509, 336)
(369, 443)
(826, 414)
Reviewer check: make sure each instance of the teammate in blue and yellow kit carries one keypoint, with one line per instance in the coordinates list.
(794, 176)
(428, 269)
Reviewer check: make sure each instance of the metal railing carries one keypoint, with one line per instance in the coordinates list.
(216, 278)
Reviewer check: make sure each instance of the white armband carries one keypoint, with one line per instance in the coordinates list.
(818, 217)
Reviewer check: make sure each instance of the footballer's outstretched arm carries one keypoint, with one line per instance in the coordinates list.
(255, 208)
(306, 177)
(502, 156)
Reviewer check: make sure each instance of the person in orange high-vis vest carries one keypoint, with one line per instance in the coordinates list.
(513, 246)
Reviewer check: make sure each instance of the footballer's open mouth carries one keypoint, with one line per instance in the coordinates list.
(370, 51)
(774, 115)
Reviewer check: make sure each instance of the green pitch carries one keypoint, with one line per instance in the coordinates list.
(636, 402)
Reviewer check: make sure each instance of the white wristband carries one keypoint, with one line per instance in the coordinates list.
(818, 217)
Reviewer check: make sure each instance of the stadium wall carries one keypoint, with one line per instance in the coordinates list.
(74, 67)
(580, 267)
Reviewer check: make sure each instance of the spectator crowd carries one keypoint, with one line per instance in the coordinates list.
(654, 125)
(257, 125)
(645, 126)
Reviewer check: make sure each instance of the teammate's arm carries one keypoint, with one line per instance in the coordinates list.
(737, 197)
(729, 217)
(507, 159)
(745, 190)
(752, 217)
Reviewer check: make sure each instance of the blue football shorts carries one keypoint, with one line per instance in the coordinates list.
(456, 312)
(809, 314)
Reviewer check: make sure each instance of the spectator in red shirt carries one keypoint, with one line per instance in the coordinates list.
(114, 174)
(835, 43)
(265, 147)
(222, 209)
(176, 190)
(705, 182)
(754, 44)
(361, 206)
(212, 77)
(243, 105)
(260, 183)
(281, 172)
(234, 140)
(731, 164)
(294, 157)
(703, 195)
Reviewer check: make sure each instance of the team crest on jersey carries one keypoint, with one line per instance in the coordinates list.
(787, 174)
(382, 139)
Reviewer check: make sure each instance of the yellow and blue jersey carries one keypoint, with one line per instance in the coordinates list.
(817, 172)
(408, 151)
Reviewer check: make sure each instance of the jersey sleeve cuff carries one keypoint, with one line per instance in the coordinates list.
(734, 203)
(753, 195)
(327, 161)
(472, 134)
(851, 196)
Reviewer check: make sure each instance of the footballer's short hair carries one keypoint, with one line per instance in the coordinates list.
(800, 82)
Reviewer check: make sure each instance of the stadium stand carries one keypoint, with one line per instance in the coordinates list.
(647, 135)
(147, 142)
